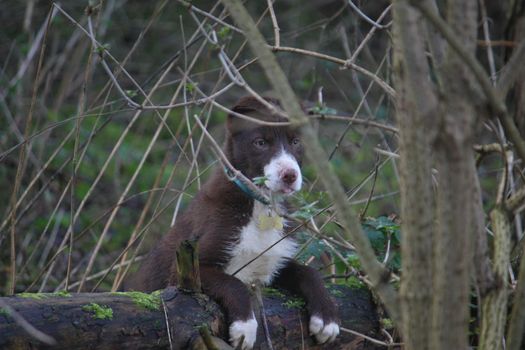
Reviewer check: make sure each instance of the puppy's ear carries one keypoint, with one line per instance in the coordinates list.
(250, 107)
(236, 124)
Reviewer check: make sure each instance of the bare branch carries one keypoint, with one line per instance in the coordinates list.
(344, 63)
(355, 120)
(369, 35)
(194, 8)
(512, 70)
(366, 18)
(372, 340)
(276, 29)
(517, 201)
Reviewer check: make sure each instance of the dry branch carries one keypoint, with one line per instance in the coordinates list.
(123, 321)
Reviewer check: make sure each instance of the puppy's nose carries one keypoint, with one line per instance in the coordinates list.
(289, 176)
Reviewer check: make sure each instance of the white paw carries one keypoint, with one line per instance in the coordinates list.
(322, 332)
(248, 329)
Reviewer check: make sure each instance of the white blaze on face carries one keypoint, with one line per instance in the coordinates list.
(283, 174)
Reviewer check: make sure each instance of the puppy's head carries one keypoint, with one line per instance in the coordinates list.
(272, 152)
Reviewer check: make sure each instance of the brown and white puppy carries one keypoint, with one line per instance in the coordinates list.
(233, 229)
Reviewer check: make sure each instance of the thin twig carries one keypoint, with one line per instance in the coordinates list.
(277, 37)
(355, 120)
(262, 312)
(369, 35)
(386, 153)
(344, 63)
(194, 8)
(33, 50)
(366, 18)
(166, 318)
(370, 196)
(486, 33)
(512, 70)
(26, 326)
(375, 341)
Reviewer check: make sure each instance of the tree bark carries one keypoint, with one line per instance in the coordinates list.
(136, 323)
(417, 115)
(456, 177)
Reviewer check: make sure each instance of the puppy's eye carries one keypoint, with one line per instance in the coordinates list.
(295, 141)
(260, 142)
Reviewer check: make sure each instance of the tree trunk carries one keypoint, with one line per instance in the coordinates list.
(417, 113)
(139, 321)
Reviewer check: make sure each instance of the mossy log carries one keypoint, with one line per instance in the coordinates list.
(141, 321)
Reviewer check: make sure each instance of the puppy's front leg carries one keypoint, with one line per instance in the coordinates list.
(307, 282)
(234, 297)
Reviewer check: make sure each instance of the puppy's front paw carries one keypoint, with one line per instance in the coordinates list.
(248, 329)
(322, 331)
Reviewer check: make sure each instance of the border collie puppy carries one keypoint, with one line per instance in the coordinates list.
(233, 228)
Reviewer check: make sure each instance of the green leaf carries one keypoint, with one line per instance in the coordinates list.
(323, 109)
(190, 87)
(259, 180)
(131, 93)
(224, 32)
(315, 247)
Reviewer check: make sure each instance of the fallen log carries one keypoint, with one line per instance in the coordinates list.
(171, 319)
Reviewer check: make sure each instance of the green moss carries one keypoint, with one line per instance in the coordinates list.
(4, 312)
(40, 296)
(272, 292)
(335, 292)
(296, 303)
(36, 296)
(62, 293)
(98, 311)
(145, 300)
(387, 323)
(354, 282)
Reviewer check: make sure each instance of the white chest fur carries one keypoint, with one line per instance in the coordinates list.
(252, 242)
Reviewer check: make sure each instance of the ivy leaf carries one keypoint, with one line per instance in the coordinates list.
(306, 212)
